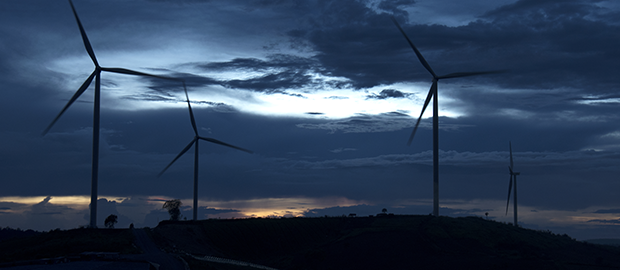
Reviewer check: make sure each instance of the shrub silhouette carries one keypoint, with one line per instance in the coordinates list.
(173, 209)
(110, 221)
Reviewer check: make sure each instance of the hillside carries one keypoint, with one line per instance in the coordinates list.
(392, 242)
(610, 242)
(8, 233)
(58, 243)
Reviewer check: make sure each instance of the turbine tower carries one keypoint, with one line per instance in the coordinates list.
(97, 76)
(513, 174)
(194, 142)
(432, 93)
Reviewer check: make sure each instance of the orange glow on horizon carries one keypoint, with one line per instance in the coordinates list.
(298, 206)
(77, 201)
(266, 207)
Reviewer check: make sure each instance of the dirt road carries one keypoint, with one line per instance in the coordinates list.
(153, 254)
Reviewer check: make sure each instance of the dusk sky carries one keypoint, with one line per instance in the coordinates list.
(325, 93)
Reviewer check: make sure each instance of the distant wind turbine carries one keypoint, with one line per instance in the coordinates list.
(433, 94)
(513, 174)
(194, 142)
(96, 75)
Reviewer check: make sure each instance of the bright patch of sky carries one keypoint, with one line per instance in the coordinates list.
(56, 199)
(598, 100)
(281, 206)
(77, 202)
(614, 135)
(516, 113)
(329, 102)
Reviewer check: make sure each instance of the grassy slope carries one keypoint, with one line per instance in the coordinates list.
(64, 243)
(610, 242)
(394, 242)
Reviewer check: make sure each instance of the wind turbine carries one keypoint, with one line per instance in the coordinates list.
(432, 93)
(513, 174)
(194, 142)
(97, 76)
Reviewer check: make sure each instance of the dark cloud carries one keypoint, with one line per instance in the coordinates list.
(46, 208)
(214, 213)
(280, 72)
(274, 61)
(385, 122)
(44, 215)
(543, 43)
(273, 82)
(607, 211)
(555, 43)
(153, 97)
(340, 150)
(395, 7)
(364, 123)
(605, 221)
(337, 97)
(388, 93)
(275, 75)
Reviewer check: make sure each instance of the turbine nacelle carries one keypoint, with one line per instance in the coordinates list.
(512, 172)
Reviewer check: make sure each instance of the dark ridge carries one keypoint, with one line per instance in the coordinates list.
(58, 243)
(9, 233)
(388, 242)
(380, 242)
(610, 242)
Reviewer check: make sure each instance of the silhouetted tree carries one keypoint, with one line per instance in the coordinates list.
(173, 209)
(384, 210)
(110, 221)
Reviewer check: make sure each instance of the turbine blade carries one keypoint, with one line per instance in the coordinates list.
(225, 144)
(426, 102)
(420, 57)
(191, 112)
(467, 74)
(179, 155)
(87, 45)
(509, 189)
(77, 94)
(132, 72)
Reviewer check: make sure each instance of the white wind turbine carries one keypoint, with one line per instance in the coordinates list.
(432, 93)
(194, 142)
(96, 75)
(513, 174)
